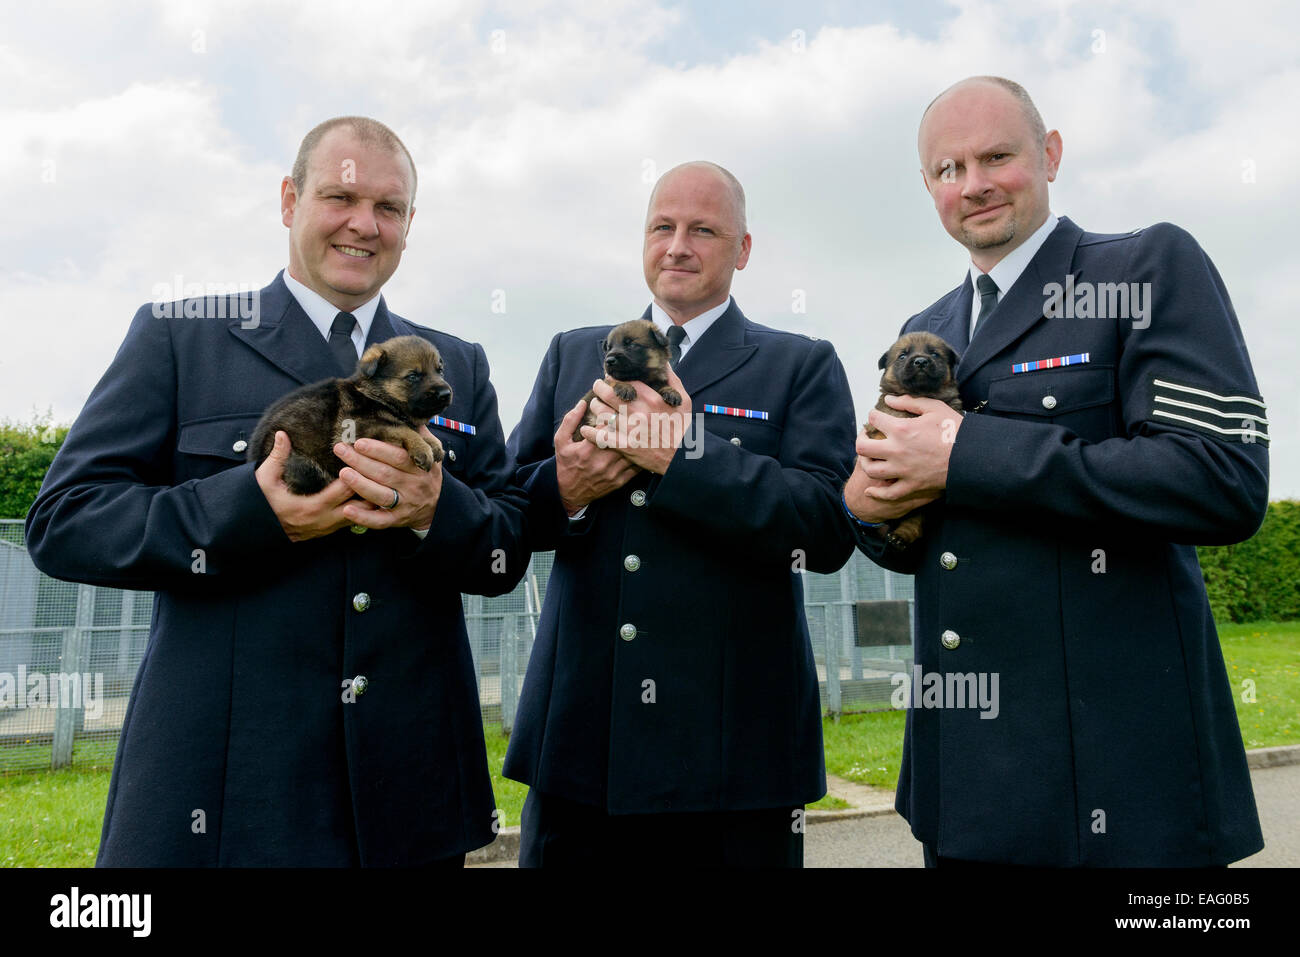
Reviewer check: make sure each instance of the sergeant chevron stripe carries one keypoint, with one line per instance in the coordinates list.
(1225, 415)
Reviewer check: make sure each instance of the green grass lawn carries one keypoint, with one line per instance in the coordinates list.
(1267, 654)
(52, 819)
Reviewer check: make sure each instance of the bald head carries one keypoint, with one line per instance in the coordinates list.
(726, 181)
(1017, 92)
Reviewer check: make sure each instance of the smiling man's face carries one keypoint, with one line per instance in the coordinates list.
(694, 242)
(985, 170)
(348, 228)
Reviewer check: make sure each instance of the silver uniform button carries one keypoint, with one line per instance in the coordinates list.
(735, 440)
(632, 563)
(1049, 402)
(948, 560)
(240, 446)
(638, 498)
(950, 639)
(627, 632)
(451, 455)
(359, 684)
(360, 601)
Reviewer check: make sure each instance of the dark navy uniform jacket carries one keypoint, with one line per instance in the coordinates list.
(1061, 558)
(238, 710)
(689, 581)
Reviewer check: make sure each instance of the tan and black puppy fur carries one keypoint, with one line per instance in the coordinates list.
(398, 386)
(635, 351)
(920, 364)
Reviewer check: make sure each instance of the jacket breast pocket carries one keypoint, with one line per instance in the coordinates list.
(215, 443)
(760, 436)
(1079, 399)
(455, 449)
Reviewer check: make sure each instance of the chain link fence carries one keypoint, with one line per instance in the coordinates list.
(69, 653)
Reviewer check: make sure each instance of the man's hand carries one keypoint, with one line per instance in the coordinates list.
(583, 471)
(301, 516)
(646, 431)
(374, 470)
(863, 505)
(912, 460)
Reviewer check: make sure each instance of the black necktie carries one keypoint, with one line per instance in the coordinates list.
(988, 299)
(675, 336)
(341, 342)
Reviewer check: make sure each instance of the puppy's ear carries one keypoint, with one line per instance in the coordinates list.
(952, 355)
(371, 360)
(602, 347)
(658, 335)
(884, 360)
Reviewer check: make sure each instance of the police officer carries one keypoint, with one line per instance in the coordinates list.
(671, 711)
(1112, 422)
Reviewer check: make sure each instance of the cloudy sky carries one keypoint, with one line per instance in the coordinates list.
(146, 141)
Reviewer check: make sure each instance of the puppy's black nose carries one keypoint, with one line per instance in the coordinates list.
(442, 393)
(921, 362)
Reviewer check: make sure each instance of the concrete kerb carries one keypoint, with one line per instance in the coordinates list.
(878, 802)
(1274, 757)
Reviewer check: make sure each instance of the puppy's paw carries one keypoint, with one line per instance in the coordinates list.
(424, 454)
(624, 391)
(671, 396)
(907, 531)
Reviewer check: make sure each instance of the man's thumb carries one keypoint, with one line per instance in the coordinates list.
(280, 451)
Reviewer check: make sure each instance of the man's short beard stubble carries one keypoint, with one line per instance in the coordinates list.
(974, 240)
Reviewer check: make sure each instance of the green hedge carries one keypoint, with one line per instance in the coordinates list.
(1259, 579)
(26, 451)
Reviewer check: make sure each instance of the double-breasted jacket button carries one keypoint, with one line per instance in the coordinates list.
(632, 563)
(359, 684)
(451, 455)
(239, 446)
(627, 632)
(360, 601)
(638, 497)
(735, 440)
(950, 639)
(1049, 402)
(948, 560)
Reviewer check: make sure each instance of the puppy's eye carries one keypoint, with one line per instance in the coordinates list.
(935, 354)
(414, 376)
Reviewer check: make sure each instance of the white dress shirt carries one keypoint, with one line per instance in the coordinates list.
(322, 312)
(694, 328)
(1010, 268)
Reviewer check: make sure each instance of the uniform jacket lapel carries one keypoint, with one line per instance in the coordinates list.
(953, 326)
(1022, 307)
(285, 337)
(385, 325)
(719, 352)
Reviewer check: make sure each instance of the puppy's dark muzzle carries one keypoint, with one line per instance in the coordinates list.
(433, 401)
(923, 374)
(619, 366)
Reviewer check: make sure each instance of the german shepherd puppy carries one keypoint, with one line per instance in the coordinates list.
(635, 351)
(919, 364)
(397, 387)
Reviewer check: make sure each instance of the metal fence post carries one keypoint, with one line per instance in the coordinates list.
(509, 671)
(126, 634)
(67, 721)
(848, 576)
(830, 628)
